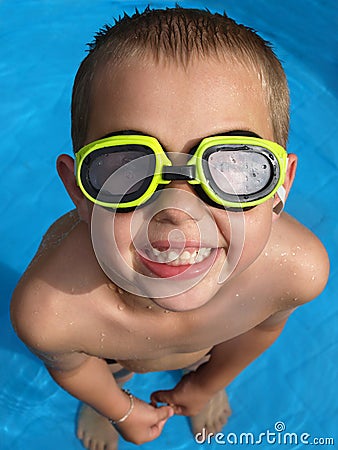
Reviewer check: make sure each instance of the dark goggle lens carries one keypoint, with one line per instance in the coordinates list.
(239, 172)
(124, 170)
(119, 172)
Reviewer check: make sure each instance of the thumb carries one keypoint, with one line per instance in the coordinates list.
(161, 397)
(163, 414)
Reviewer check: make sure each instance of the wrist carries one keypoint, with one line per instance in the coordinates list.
(117, 405)
(198, 383)
(129, 411)
(207, 382)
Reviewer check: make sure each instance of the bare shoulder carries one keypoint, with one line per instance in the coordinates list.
(47, 305)
(300, 258)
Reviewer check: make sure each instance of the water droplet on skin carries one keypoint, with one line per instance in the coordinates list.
(148, 338)
(120, 307)
(293, 254)
(102, 339)
(266, 254)
(149, 307)
(237, 295)
(313, 278)
(71, 323)
(166, 311)
(294, 273)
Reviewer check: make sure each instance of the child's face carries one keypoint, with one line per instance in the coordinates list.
(180, 107)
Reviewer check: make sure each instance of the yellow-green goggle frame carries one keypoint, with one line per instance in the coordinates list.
(196, 172)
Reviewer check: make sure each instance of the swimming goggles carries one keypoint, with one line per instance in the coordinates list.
(125, 171)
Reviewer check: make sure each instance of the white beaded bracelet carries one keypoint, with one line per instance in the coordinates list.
(127, 414)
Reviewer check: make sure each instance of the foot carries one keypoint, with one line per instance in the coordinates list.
(214, 415)
(94, 430)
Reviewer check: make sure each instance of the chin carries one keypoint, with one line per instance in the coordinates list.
(192, 299)
(179, 304)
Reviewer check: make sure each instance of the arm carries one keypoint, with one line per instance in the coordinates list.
(87, 378)
(93, 383)
(227, 360)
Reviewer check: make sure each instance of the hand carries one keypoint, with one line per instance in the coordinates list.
(145, 423)
(187, 398)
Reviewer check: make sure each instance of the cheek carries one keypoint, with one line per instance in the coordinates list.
(246, 234)
(110, 234)
(257, 230)
(122, 232)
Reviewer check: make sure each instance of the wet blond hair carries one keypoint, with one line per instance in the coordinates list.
(180, 34)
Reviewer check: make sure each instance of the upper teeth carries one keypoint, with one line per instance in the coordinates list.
(178, 258)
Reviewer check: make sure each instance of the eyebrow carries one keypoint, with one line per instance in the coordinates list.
(246, 133)
(122, 132)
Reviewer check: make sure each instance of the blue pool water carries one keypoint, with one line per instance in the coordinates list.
(296, 380)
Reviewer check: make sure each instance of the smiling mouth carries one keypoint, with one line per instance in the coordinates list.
(187, 262)
(178, 257)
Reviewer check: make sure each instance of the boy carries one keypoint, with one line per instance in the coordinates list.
(178, 254)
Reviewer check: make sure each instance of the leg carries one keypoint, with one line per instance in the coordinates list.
(94, 430)
(215, 414)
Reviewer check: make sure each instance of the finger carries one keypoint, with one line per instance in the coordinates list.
(161, 397)
(178, 409)
(164, 413)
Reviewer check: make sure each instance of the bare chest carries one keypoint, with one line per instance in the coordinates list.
(146, 333)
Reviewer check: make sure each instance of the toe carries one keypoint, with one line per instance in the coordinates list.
(80, 433)
(86, 441)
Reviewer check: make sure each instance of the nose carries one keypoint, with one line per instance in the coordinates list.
(177, 204)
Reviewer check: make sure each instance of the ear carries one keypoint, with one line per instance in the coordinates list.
(279, 203)
(65, 169)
